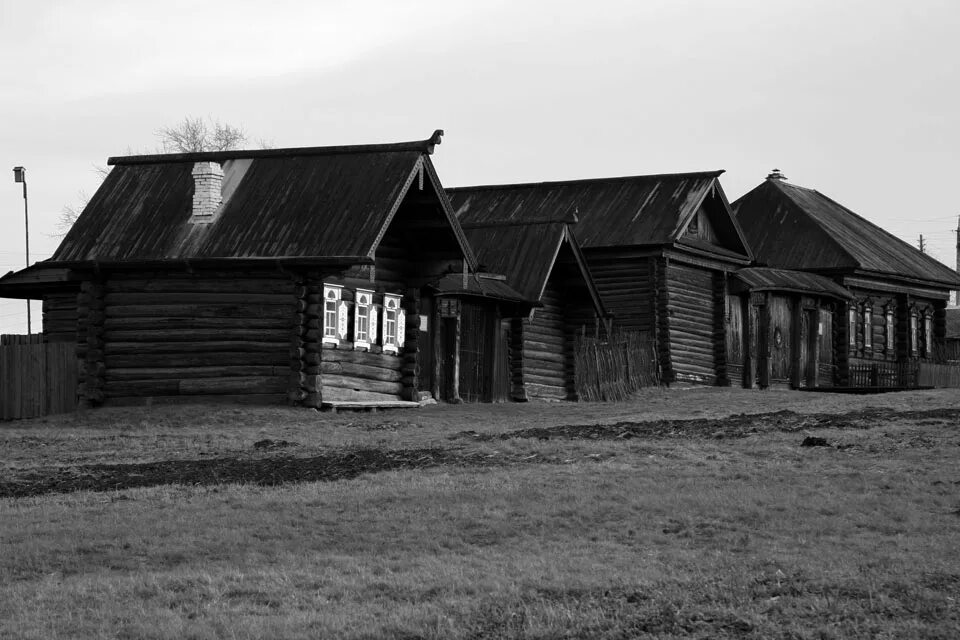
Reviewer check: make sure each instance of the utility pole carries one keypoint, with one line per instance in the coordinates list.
(20, 175)
(957, 230)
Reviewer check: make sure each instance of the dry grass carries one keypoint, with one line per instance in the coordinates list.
(755, 537)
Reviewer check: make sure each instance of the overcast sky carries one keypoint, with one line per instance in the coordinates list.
(857, 99)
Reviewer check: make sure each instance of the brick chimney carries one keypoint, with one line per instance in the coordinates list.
(776, 175)
(207, 192)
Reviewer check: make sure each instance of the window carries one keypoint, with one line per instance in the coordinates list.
(867, 328)
(333, 329)
(927, 335)
(852, 326)
(913, 332)
(364, 320)
(889, 337)
(391, 329)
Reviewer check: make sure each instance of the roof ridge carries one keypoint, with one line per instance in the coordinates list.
(421, 146)
(552, 183)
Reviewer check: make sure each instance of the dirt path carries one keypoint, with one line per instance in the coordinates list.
(272, 465)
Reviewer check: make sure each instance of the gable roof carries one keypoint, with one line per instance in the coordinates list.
(798, 228)
(649, 210)
(317, 202)
(526, 251)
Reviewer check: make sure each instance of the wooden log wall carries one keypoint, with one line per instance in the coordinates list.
(91, 336)
(735, 337)
(547, 348)
(719, 328)
(60, 317)
(203, 334)
(693, 314)
(661, 306)
(518, 391)
(626, 286)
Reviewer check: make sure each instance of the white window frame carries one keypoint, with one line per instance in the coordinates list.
(852, 326)
(364, 319)
(928, 334)
(914, 326)
(391, 327)
(890, 329)
(867, 328)
(332, 300)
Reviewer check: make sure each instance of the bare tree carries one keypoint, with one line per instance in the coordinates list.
(191, 135)
(197, 134)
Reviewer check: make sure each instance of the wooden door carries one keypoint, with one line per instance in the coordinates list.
(477, 349)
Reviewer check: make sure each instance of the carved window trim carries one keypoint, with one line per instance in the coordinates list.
(332, 300)
(364, 319)
(391, 323)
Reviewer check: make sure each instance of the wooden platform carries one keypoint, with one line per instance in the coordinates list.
(372, 406)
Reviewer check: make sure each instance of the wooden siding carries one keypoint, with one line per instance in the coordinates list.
(36, 378)
(60, 317)
(692, 309)
(194, 335)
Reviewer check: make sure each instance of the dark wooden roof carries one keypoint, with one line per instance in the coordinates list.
(798, 228)
(525, 252)
(36, 280)
(612, 212)
(482, 285)
(767, 279)
(319, 202)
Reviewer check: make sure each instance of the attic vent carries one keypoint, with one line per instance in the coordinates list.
(776, 175)
(207, 194)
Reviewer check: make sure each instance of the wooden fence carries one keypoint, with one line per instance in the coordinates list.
(939, 375)
(36, 378)
(884, 374)
(614, 367)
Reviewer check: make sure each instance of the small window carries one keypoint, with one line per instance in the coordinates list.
(889, 336)
(852, 327)
(867, 328)
(331, 314)
(913, 333)
(927, 335)
(364, 320)
(391, 316)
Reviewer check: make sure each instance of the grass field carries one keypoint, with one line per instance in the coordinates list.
(683, 513)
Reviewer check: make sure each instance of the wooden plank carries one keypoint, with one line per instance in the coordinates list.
(360, 384)
(210, 346)
(361, 371)
(152, 373)
(336, 394)
(233, 385)
(184, 335)
(200, 311)
(382, 360)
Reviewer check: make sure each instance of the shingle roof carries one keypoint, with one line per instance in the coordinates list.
(798, 228)
(612, 212)
(279, 203)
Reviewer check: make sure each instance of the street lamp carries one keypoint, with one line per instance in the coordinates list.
(20, 175)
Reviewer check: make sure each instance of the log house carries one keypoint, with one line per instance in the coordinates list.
(303, 275)
(660, 249)
(897, 308)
